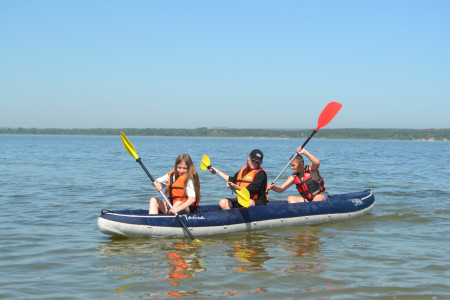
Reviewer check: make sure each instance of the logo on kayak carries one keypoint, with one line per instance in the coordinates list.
(194, 217)
(356, 201)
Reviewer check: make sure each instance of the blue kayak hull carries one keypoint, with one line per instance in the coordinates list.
(211, 220)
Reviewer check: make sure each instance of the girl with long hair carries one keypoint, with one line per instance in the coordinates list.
(182, 189)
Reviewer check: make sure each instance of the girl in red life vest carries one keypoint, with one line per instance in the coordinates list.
(182, 189)
(307, 179)
(252, 177)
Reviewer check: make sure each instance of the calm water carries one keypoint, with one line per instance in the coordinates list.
(52, 189)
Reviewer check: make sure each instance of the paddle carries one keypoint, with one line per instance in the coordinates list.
(130, 149)
(243, 196)
(325, 117)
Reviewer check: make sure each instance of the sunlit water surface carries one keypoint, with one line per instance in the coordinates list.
(52, 189)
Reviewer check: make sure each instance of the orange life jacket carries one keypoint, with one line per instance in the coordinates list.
(245, 180)
(176, 189)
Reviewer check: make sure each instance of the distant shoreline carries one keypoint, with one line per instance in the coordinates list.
(346, 133)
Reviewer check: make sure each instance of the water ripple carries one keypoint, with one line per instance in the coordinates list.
(52, 249)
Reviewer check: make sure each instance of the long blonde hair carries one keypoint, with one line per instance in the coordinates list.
(190, 174)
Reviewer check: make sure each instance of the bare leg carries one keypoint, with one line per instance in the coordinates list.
(319, 197)
(295, 199)
(155, 205)
(225, 204)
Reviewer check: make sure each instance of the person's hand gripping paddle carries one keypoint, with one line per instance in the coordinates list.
(243, 196)
(130, 149)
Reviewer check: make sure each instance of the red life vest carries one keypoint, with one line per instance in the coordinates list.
(308, 187)
(244, 180)
(176, 189)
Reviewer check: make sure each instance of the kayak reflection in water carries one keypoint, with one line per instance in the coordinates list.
(183, 263)
(251, 254)
(305, 250)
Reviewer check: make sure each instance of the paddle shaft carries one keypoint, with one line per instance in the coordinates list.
(167, 201)
(325, 117)
(231, 187)
(294, 156)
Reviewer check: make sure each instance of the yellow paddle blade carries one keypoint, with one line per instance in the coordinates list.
(128, 146)
(205, 162)
(243, 197)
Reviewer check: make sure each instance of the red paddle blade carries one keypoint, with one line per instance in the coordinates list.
(328, 114)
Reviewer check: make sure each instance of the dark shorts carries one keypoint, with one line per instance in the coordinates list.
(193, 209)
(235, 203)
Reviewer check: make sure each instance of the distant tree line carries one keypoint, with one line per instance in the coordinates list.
(348, 133)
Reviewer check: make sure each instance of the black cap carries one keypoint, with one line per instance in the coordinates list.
(257, 155)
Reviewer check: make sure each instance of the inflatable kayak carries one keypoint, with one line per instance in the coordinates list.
(211, 220)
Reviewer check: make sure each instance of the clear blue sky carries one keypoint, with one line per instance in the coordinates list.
(239, 64)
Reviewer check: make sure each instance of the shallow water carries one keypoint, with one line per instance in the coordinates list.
(52, 189)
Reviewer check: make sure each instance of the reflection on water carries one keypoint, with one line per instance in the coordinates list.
(184, 262)
(397, 251)
(306, 246)
(231, 265)
(251, 254)
(156, 261)
(255, 249)
(228, 265)
(125, 286)
(290, 256)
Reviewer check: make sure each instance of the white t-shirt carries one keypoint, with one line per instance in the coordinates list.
(190, 190)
